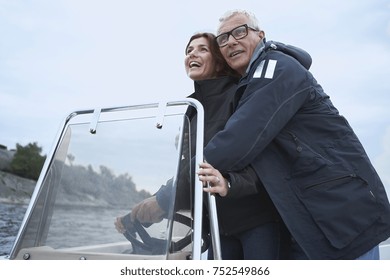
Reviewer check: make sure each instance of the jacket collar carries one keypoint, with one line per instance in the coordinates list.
(212, 87)
(255, 55)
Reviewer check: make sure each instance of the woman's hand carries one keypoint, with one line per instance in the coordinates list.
(217, 183)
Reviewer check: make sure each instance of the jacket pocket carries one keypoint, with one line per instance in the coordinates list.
(343, 206)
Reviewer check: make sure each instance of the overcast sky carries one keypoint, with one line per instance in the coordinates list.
(60, 56)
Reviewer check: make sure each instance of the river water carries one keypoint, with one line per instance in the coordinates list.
(67, 222)
(10, 220)
(70, 226)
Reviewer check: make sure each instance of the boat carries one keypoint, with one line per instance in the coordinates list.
(104, 161)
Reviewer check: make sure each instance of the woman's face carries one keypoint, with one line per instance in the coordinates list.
(199, 62)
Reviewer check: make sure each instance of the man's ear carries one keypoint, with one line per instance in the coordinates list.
(261, 34)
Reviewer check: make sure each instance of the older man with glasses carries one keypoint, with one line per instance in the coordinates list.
(309, 159)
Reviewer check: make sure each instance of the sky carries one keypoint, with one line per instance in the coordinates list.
(65, 55)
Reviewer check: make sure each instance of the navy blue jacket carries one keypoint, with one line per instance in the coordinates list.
(309, 159)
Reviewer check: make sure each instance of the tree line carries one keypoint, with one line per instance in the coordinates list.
(27, 161)
(78, 182)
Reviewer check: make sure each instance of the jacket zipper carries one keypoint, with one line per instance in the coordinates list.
(352, 175)
(299, 148)
(331, 180)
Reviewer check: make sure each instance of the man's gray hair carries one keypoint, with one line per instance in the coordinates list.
(253, 22)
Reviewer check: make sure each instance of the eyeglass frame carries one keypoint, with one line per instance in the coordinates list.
(231, 33)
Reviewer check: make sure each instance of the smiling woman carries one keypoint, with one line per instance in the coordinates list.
(199, 61)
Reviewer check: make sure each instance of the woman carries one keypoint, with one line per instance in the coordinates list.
(248, 222)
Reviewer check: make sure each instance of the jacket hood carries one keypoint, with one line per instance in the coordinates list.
(302, 56)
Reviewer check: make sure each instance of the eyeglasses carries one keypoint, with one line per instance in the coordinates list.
(238, 33)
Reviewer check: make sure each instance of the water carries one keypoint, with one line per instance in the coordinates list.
(67, 222)
(10, 220)
(71, 226)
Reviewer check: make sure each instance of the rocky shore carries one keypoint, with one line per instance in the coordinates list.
(15, 189)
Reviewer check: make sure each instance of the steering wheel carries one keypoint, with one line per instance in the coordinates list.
(154, 246)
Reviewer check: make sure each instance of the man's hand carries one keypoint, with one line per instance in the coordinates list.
(147, 211)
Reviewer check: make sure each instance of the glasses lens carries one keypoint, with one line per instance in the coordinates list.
(240, 32)
(222, 39)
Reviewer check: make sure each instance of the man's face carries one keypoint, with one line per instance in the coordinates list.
(238, 53)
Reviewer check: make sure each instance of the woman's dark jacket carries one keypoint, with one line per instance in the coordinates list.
(307, 156)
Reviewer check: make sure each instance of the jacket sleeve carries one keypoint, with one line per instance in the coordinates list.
(164, 195)
(265, 107)
(243, 183)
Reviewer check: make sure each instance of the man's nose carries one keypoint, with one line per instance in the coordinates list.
(231, 40)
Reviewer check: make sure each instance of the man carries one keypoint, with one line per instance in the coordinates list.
(309, 159)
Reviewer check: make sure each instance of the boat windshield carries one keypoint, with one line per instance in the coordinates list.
(100, 171)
